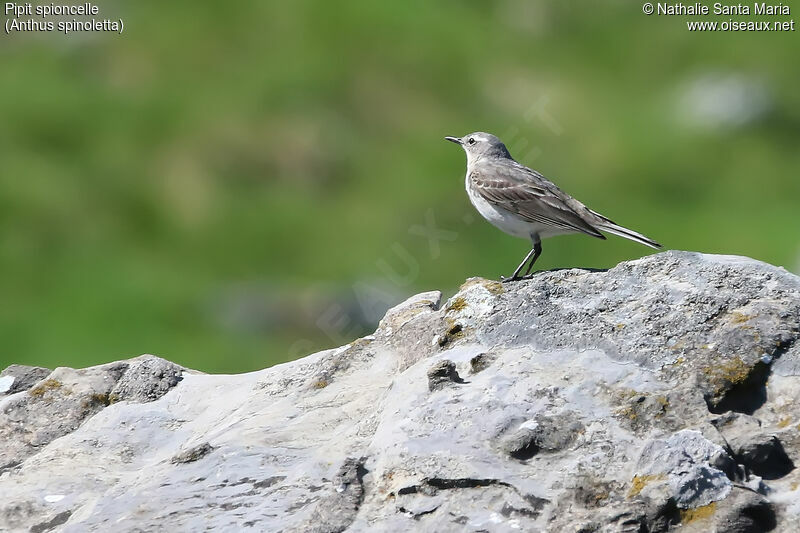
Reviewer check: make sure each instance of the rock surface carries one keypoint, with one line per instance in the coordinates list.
(661, 394)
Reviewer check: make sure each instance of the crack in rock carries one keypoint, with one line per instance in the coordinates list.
(432, 485)
(335, 512)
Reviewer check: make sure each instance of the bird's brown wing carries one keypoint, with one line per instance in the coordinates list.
(530, 196)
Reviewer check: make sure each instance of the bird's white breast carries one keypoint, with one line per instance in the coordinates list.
(509, 222)
(500, 218)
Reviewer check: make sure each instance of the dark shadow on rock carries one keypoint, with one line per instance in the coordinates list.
(442, 374)
(761, 516)
(746, 396)
(663, 516)
(583, 269)
(481, 362)
(521, 445)
(538, 272)
(193, 454)
(767, 459)
(759, 451)
(744, 511)
(53, 523)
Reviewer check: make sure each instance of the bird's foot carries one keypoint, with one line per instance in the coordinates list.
(504, 279)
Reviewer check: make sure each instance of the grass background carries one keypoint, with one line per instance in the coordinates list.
(232, 186)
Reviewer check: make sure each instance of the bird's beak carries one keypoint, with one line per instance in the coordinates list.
(453, 140)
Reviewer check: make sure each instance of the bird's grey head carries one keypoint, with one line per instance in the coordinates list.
(479, 145)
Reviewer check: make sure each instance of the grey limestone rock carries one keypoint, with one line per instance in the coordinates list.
(17, 378)
(760, 452)
(60, 401)
(146, 379)
(660, 395)
(442, 374)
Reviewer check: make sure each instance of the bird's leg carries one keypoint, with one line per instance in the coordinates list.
(515, 275)
(537, 249)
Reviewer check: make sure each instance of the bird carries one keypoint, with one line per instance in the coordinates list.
(522, 202)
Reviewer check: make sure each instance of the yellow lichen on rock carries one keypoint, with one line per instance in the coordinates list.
(494, 287)
(42, 388)
(699, 513)
(96, 399)
(640, 482)
(731, 372)
(737, 317)
(735, 370)
(456, 304)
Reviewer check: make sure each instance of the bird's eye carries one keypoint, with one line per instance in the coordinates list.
(471, 140)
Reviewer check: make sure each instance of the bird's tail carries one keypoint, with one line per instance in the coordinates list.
(616, 229)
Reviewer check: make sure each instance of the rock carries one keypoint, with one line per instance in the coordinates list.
(60, 403)
(146, 379)
(339, 507)
(651, 397)
(686, 462)
(542, 434)
(744, 512)
(442, 374)
(762, 453)
(193, 454)
(16, 378)
(51, 524)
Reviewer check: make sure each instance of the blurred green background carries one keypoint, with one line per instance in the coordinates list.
(233, 186)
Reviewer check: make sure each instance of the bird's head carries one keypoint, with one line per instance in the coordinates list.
(479, 144)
